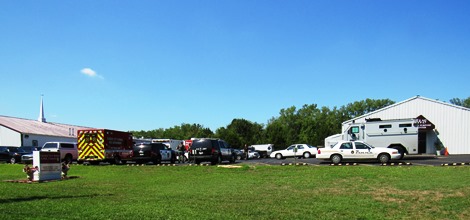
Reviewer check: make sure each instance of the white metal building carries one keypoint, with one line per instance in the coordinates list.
(27, 132)
(452, 122)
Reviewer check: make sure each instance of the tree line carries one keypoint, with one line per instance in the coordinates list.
(309, 124)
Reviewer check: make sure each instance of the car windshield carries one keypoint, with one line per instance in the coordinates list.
(310, 146)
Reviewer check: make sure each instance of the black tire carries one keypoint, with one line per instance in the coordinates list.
(239, 157)
(12, 160)
(196, 161)
(94, 162)
(232, 159)
(384, 158)
(157, 160)
(336, 158)
(80, 161)
(401, 151)
(117, 160)
(307, 155)
(279, 156)
(68, 159)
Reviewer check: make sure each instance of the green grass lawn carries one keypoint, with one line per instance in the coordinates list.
(260, 192)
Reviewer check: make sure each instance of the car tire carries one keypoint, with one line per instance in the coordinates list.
(196, 161)
(336, 158)
(384, 158)
(307, 155)
(157, 160)
(232, 159)
(13, 160)
(239, 157)
(68, 159)
(279, 156)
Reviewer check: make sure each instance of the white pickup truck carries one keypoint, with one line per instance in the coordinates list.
(68, 150)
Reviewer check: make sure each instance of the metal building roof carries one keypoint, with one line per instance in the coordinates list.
(407, 101)
(28, 126)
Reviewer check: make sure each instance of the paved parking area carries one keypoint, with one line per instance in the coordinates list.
(416, 160)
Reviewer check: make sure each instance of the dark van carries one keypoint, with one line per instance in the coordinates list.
(154, 152)
(211, 150)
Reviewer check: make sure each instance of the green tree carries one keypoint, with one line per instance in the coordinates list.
(461, 102)
(240, 132)
(183, 132)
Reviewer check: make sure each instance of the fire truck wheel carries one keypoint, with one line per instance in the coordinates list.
(117, 160)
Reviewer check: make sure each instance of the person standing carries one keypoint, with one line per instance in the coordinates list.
(245, 151)
(181, 150)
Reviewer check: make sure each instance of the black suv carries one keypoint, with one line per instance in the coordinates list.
(154, 152)
(211, 150)
(11, 154)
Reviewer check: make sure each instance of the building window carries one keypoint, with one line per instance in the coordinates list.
(385, 126)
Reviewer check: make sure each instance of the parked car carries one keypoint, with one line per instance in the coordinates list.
(30, 149)
(252, 154)
(11, 154)
(211, 150)
(303, 150)
(238, 154)
(357, 150)
(153, 152)
(68, 150)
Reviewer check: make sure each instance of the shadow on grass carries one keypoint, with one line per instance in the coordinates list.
(37, 198)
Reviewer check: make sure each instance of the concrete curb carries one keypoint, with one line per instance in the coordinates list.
(346, 164)
(397, 164)
(200, 165)
(294, 164)
(455, 164)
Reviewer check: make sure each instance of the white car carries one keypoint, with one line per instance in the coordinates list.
(303, 150)
(357, 150)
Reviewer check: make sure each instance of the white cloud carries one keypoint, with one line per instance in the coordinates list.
(91, 73)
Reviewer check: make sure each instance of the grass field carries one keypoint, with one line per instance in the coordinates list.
(250, 192)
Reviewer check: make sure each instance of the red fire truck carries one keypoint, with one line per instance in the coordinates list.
(103, 145)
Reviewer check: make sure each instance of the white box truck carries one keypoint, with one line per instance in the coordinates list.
(408, 136)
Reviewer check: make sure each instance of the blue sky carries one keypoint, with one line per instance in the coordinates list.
(142, 65)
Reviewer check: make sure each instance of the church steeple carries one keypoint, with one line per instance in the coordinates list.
(41, 112)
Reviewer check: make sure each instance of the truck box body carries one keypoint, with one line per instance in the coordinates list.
(100, 145)
(401, 134)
